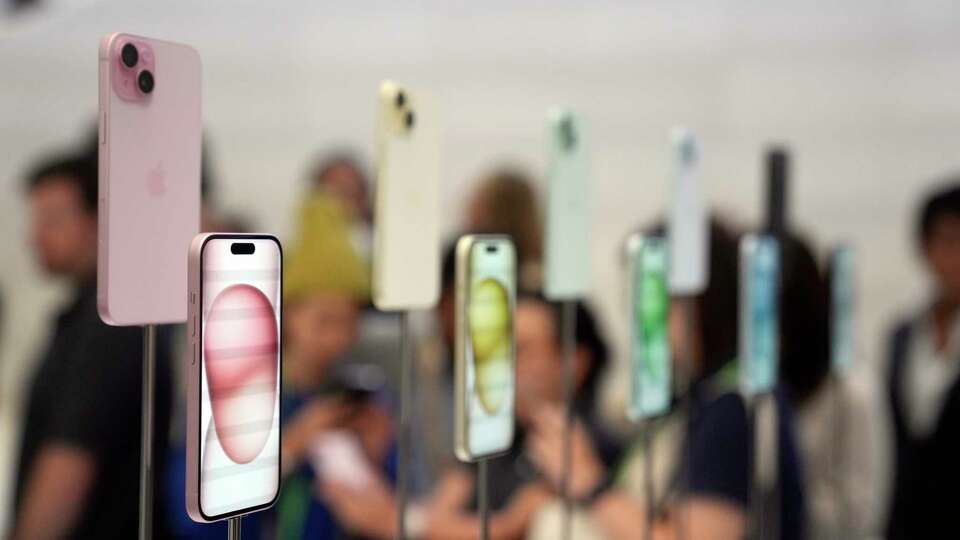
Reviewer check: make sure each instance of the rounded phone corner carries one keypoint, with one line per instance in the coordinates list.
(105, 42)
(463, 455)
(104, 311)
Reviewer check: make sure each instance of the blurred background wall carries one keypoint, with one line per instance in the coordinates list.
(864, 94)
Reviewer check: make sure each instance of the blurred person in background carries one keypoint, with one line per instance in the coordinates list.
(833, 422)
(702, 450)
(326, 415)
(515, 488)
(923, 389)
(505, 202)
(78, 474)
(341, 176)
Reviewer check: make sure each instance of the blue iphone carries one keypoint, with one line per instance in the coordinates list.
(759, 313)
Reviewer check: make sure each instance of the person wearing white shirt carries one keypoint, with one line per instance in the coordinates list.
(923, 388)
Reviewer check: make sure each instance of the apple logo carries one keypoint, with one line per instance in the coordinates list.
(156, 181)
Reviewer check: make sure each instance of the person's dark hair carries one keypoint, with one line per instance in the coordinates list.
(804, 324)
(511, 207)
(587, 335)
(718, 305)
(448, 267)
(945, 201)
(78, 169)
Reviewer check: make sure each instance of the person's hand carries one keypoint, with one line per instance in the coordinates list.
(528, 500)
(317, 416)
(369, 510)
(321, 414)
(545, 447)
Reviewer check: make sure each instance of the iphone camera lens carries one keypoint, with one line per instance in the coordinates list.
(409, 119)
(129, 55)
(145, 81)
(568, 134)
(401, 99)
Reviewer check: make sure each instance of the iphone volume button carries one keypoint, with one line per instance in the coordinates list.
(103, 127)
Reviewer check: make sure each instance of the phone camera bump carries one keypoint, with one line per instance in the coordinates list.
(129, 55)
(568, 134)
(409, 119)
(401, 99)
(145, 81)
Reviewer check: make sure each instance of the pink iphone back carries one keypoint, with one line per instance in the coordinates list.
(149, 208)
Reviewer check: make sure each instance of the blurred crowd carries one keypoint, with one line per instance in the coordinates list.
(716, 466)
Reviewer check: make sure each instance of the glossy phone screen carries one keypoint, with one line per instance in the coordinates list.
(240, 374)
(759, 318)
(489, 345)
(842, 307)
(649, 330)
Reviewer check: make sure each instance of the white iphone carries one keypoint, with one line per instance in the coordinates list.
(688, 227)
(484, 366)
(406, 253)
(233, 388)
(567, 231)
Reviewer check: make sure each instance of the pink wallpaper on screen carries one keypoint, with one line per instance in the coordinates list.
(240, 376)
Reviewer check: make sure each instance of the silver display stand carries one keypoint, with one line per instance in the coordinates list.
(233, 528)
(684, 383)
(403, 446)
(483, 500)
(764, 506)
(146, 430)
(646, 436)
(568, 352)
(843, 523)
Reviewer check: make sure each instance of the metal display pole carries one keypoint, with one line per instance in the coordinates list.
(146, 430)
(233, 528)
(684, 382)
(403, 449)
(842, 525)
(764, 505)
(754, 506)
(568, 352)
(646, 434)
(483, 501)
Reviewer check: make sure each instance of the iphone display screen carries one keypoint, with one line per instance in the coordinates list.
(240, 374)
(650, 340)
(842, 309)
(759, 337)
(490, 347)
